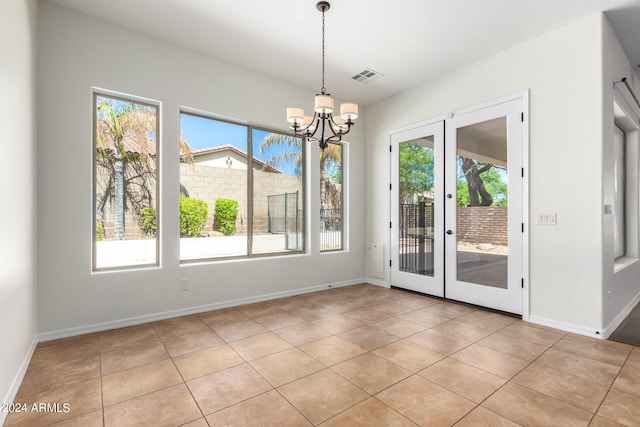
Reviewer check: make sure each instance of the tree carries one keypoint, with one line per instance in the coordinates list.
(291, 154)
(117, 120)
(416, 171)
(125, 144)
(480, 184)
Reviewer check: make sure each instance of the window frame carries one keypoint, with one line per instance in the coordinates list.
(157, 105)
(250, 187)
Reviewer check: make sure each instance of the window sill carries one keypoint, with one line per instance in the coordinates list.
(622, 263)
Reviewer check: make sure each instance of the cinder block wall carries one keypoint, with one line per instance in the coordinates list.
(483, 224)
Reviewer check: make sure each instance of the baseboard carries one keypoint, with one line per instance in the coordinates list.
(568, 327)
(138, 320)
(13, 390)
(375, 281)
(613, 325)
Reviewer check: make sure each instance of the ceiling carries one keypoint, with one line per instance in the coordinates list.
(408, 41)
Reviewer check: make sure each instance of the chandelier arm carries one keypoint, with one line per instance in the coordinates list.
(315, 120)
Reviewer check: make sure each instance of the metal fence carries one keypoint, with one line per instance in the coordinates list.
(416, 238)
(330, 229)
(284, 216)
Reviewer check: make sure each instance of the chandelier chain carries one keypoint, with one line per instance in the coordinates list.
(323, 90)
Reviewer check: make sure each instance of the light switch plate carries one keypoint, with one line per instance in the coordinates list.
(546, 219)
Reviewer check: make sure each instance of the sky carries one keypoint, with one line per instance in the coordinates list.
(200, 132)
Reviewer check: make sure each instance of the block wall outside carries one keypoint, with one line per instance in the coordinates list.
(483, 224)
(208, 184)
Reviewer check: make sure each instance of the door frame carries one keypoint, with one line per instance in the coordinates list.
(524, 96)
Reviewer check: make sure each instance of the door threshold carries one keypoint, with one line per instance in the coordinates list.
(466, 304)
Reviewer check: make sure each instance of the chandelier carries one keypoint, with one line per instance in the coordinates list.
(331, 128)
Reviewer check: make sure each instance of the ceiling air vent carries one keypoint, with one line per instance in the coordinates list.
(367, 76)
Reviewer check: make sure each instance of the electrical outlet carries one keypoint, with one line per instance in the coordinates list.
(184, 285)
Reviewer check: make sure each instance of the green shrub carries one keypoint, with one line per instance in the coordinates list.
(226, 214)
(148, 222)
(99, 231)
(193, 216)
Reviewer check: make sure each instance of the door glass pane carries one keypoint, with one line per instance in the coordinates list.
(482, 220)
(416, 206)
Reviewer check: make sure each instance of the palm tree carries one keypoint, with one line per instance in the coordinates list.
(125, 143)
(117, 121)
(291, 153)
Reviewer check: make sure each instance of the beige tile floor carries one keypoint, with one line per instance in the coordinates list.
(355, 356)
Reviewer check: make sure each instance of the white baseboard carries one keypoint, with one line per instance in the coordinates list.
(613, 325)
(13, 390)
(568, 327)
(138, 320)
(376, 281)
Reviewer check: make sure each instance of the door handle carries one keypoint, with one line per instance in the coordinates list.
(449, 232)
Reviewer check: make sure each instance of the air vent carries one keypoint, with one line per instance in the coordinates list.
(367, 76)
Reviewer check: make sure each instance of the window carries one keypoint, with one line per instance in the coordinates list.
(241, 190)
(331, 199)
(125, 182)
(625, 209)
(278, 197)
(618, 211)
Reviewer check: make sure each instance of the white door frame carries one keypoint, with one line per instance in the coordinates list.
(524, 96)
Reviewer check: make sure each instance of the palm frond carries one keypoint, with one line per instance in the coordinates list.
(273, 139)
(286, 158)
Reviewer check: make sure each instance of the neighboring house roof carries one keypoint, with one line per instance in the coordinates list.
(136, 146)
(230, 148)
(131, 145)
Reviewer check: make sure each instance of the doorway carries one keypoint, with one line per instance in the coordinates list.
(457, 207)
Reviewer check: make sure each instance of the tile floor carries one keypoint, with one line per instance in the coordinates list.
(355, 356)
(629, 330)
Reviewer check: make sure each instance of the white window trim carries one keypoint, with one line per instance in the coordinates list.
(626, 118)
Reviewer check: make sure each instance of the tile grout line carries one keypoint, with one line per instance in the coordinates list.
(181, 376)
(611, 387)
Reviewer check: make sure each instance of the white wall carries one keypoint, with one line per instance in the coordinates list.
(623, 286)
(562, 70)
(18, 193)
(76, 53)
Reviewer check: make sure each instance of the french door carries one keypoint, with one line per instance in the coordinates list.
(457, 207)
(417, 243)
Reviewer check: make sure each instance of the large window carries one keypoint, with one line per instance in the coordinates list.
(331, 199)
(241, 190)
(125, 182)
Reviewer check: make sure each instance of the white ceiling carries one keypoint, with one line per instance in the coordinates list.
(409, 41)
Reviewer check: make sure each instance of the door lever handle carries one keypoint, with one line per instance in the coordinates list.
(449, 232)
